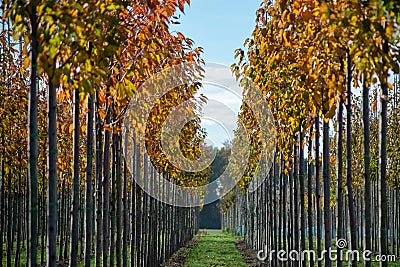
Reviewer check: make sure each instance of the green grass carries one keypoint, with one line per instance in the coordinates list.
(211, 231)
(215, 249)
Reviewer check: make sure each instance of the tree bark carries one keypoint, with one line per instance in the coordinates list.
(106, 186)
(367, 172)
(339, 187)
(88, 189)
(310, 199)
(73, 261)
(33, 143)
(302, 177)
(119, 201)
(327, 192)
(99, 171)
(52, 178)
(318, 190)
(382, 206)
(296, 200)
(349, 177)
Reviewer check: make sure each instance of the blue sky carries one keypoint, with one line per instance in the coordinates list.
(220, 27)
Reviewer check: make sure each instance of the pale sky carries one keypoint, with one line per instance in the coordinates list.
(220, 27)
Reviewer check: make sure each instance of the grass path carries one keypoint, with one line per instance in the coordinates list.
(215, 249)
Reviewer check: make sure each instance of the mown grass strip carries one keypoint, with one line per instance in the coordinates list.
(215, 249)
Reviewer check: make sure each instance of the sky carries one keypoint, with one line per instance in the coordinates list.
(219, 27)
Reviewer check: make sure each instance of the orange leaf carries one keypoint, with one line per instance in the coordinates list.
(102, 114)
(181, 4)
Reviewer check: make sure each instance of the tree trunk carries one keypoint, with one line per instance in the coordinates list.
(349, 178)
(9, 215)
(382, 206)
(125, 208)
(33, 143)
(310, 199)
(99, 171)
(88, 191)
(367, 173)
(327, 192)
(318, 190)
(2, 204)
(62, 220)
(75, 185)
(296, 200)
(339, 170)
(302, 177)
(119, 201)
(113, 210)
(106, 186)
(52, 178)
(19, 214)
(133, 243)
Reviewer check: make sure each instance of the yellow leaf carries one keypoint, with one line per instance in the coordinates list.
(26, 62)
(389, 30)
(116, 71)
(330, 113)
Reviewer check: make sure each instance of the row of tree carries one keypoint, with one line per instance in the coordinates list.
(314, 60)
(68, 194)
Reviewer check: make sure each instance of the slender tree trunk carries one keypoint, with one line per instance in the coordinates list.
(327, 192)
(125, 210)
(367, 173)
(302, 177)
(99, 171)
(119, 201)
(391, 224)
(310, 199)
(138, 208)
(2, 210)
(66, 225)
(296, 200)
(274, 202)
(398, 221)
(145, 229)
(9, 213)
(33, 143)
(290, 217)
(339, 187)
(88, 191)
(2, 204)
(113, 211)
(42, 216)
(281, 207)
(382, 206)
(106, 186)
(284, 207)
(75, 185)
(19, 214)
(349, 177)
(52, 178)
(81, 225)
(62, 219)
(318, 190)
(133, 243)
